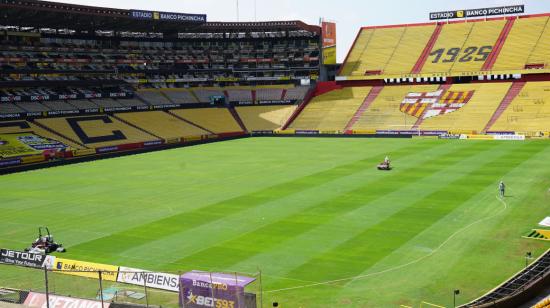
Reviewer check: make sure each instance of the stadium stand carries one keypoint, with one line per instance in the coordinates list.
(475, 114)
(529, 111)
(331, 111)
(21, 126)
(384, 112)
(258, 118)
(153, 97)
(536, 271)
(171, 127)
(58, 105)
(217, 120)
(96, 130)
(180, 96)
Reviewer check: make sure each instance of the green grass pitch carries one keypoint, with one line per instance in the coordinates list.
(313, 214)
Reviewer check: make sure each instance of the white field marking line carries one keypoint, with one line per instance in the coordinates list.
(505, 207)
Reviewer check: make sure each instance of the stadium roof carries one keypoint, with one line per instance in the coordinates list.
(56, 15)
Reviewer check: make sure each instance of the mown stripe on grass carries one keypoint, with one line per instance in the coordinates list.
(275, 261)
(376, 242)
(222, 256)
(127, 239)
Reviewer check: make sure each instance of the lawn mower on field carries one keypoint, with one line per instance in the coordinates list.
(45, 243)
(385, 165)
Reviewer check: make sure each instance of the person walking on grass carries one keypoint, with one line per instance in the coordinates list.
(501, 188)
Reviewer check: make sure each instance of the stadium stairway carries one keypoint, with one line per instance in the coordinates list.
(135, 126)
(488, 65)
(44, 127)
(426, 52)
(309, 96)
(238, 119)
(188, 122)
(514, 90)
(373, 94)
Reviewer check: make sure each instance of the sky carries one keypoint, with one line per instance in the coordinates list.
(349, 15)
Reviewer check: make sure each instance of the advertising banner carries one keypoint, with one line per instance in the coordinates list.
(200, 289)
(139, 277)
(38, 300)
(11, 146)
(86, 269)
(493, 11)
(510, 137)
(329, 42)
(179, 17)
(22, 258)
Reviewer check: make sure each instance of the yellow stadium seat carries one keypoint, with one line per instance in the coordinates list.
(97, 130)
(520, 43)
(529, 111)
(217, 120)
(26, 126)
(331, 111)
(265, 117)
(384, 112)
(476, 113)
(162, 124)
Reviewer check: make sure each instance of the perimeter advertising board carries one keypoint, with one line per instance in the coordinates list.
(329, 42)
(39, 300)
(139, 277)
(86, 269)
(22, 258)
(200, 289)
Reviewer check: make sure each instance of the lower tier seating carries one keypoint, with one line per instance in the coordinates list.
(331, 111)
(162, 124)
(96, 130)
(216, 120)
(22, 126)
(529, 111)
(258, 118)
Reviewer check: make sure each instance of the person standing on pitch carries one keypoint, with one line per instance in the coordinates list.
(501, 188)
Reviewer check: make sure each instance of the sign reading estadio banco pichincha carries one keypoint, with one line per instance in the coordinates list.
(167, 16)
(493, 11)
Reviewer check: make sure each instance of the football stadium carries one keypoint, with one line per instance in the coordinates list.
(153, 158)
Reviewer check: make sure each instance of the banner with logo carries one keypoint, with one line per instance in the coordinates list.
(86, 269)
(22, 258)
(329, 42)
(139, 277)
(11, 146)
(39, 300)
(201, 289)
(179, 17)
(493, 11)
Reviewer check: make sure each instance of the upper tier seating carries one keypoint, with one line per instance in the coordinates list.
(331, 111)
(96, 131)
(106, 102)
(297, 93)
(58, 105)
(204, 94)
(171, 127)
(529, 111)
(154, 97)
(258, 118)
(7, 108)
(268, 94)
(22, 126)
(522, 40)
(180, 96)
(239, 95)
(459, 47)
(217, 120)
